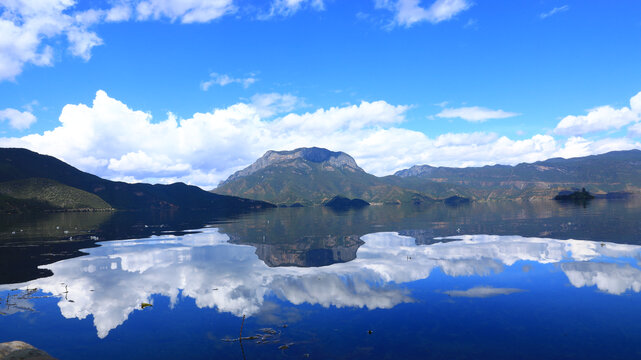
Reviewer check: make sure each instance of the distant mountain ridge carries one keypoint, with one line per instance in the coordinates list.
(554, 169)
(610, 172)
(18, 165)
(314, 175)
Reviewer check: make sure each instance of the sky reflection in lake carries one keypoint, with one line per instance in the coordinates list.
(111, 282)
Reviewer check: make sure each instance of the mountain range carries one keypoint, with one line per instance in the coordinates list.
(312, 176)
(307, 177)
(616, 171)
(29, 181)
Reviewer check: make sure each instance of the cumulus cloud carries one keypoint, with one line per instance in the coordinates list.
(224, 80)
(555, 10)
(17, 119)
(409, 12)
(27, 29)
(601, 118)
(475, 113)
(117, 142)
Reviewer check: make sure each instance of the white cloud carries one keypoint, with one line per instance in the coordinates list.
(289, 7)
(120, 12)
(270, 104)
(185, 11)
(635, 130)
(577, 146)
(117, 142)
(475, 113)
(224, 80)
(601, 118)
(409, 12)
(29, 30)
(28, 27)
(19, 120)
(555, 10)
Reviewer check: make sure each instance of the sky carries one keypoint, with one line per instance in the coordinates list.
(192, 90)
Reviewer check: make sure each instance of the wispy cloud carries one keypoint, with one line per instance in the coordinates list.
(482, 292)
(290, 7)
(475, 113)
(409, 12)
(556, 10)
(274, 103)
(224, 80)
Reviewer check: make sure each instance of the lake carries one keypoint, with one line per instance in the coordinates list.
(504, 280)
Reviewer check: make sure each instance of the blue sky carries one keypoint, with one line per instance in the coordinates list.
(113, 87)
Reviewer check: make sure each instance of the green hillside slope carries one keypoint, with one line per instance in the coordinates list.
(20, 164)
(52, 194)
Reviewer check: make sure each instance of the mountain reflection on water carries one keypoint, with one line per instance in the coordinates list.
(309, 236)
(114, 279)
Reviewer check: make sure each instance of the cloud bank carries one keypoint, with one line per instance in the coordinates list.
(112, 140)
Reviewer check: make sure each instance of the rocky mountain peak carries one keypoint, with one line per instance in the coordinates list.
(335, 159)
(415, 170)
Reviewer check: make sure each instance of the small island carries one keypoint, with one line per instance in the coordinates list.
(343, 203)
(456, 200)
(582, 195)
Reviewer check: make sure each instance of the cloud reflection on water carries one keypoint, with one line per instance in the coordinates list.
(114, 279)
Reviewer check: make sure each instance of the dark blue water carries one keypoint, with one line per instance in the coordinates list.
(540, 280)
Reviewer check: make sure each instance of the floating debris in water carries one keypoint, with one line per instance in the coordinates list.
(370, 332)
(268, 331)
(285, 347)
(264, 336)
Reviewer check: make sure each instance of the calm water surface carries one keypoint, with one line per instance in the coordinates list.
(497, 281)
